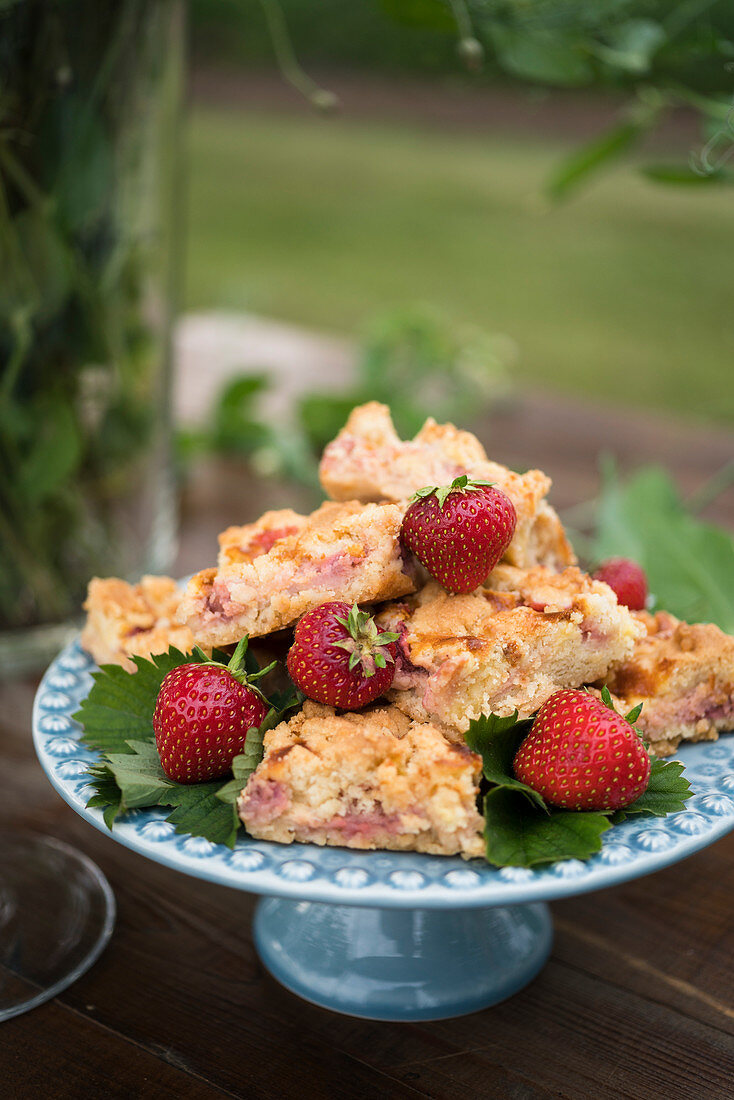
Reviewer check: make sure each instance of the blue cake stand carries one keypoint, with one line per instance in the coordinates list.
(382, 935)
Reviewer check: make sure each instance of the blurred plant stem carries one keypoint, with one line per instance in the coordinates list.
(414, 360)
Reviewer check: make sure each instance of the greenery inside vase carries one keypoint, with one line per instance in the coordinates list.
(89, 92)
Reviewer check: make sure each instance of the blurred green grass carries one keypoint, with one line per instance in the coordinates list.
(623, 294)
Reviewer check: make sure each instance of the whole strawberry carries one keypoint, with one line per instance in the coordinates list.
(581, 755)
(340, 658)
(460, 531)
(626, 579)
(202, 716)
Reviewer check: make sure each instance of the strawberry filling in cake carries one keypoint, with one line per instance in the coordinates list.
(238, 544)
(267, 799)
(683, 674)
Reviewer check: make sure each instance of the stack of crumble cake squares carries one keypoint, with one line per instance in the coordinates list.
(397, 774)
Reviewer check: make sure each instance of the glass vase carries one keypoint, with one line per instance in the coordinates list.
(90, 94)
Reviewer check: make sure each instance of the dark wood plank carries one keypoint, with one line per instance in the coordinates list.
(54, 1052)
(196, 989)
(186, 944)
(668, 937)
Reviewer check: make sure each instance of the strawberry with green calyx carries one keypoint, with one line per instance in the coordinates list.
(581, 755)
(460, 531)
(627, 580)
(202, 715)
(340, 658)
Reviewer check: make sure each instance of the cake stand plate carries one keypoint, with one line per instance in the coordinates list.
(388, 935)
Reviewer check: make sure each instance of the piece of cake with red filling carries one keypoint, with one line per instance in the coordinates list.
(683, 674)
(349, 552)
(507, 646)
(365, 779)
(133, 620)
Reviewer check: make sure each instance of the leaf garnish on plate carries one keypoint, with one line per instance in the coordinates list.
(666, 793)
(140, 781)
(497, 740)
(518, 834)
(244, 765)
(120, 704)
(522, 830)
(117, 717)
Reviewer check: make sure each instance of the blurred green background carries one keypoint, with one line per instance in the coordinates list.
(621, 293)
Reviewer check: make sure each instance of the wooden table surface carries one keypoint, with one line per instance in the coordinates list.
(637, 999)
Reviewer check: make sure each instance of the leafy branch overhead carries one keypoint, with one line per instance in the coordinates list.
(664, 55)
(661, 55)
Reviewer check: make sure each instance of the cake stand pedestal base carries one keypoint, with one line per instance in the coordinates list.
(402, 964)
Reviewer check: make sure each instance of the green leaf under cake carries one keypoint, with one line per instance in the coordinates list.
(519, 834)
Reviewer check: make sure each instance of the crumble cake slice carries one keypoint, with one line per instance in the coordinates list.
(340, 552)
(683, 674)
(368, 461)
(132, 620)
(365, 779)
(507, 646)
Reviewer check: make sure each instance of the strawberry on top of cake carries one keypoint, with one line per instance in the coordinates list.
(368, 461)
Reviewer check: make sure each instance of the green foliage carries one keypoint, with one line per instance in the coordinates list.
(689, 563)
(541, 55)
(519, 835)
(686, 175)
(237, 427)
(120, 705)
(135, 779)
(415, 361)
(662, 54)
(497, 740)
(244, 765)
(666, 793)
(421, 365)
(597, 153)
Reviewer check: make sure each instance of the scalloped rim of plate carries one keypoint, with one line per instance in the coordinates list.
(379, 878)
